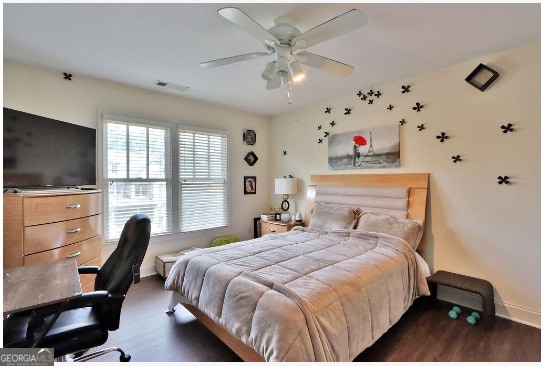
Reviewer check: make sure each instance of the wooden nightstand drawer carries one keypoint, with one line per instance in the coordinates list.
(277, 227)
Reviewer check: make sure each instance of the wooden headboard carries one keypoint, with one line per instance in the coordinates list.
(418, 184)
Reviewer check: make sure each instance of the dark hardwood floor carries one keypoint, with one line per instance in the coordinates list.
(422, 335)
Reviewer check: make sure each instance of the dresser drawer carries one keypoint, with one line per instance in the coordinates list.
(270, 228)
(88, 279)
(49, 236)
(83, 252)
(42, 210)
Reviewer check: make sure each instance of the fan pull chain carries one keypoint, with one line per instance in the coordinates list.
(290, 101)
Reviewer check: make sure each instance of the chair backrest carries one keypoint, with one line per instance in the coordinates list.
(115, 276)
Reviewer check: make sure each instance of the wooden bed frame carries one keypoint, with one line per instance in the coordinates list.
(417, 201)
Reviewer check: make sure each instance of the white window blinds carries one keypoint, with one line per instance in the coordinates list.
(203, 187)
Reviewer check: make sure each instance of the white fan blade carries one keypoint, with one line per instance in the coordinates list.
(275, 83)
(324, 64)
(230, 60)
(335, 27)
(245, 22)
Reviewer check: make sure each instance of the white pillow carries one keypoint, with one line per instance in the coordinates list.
(333, 217)
(409, 230)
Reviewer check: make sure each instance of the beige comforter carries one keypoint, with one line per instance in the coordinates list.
(303, 295)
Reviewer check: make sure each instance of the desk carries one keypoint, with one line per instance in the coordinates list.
(34, 286)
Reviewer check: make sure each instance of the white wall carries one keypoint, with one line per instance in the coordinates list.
(46, 93)
(475, 226)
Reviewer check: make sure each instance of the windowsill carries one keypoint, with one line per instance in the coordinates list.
(177, 236)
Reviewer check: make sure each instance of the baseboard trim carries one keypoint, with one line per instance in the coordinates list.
(503, 310)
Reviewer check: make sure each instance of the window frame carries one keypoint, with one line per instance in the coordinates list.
(175, 127)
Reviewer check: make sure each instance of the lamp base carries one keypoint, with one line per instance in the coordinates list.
(285, 217)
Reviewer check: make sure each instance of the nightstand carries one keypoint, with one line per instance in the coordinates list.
(276, 227)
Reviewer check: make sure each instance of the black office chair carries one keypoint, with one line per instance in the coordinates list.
(84, 322)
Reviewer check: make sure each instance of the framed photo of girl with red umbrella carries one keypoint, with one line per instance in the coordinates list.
(377, 147)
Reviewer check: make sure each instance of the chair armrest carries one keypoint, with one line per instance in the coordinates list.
(86, 299)
(88, 269)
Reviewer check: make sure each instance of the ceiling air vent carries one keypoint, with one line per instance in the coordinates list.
(166, 84)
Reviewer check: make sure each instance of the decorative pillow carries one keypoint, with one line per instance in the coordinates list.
(333, 217)
(409, 230)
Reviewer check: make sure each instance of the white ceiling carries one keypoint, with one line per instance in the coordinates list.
(138, 44)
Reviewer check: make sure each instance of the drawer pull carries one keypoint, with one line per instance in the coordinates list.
(74, 206)
(73, 231)
(73, 255)
(272, 230)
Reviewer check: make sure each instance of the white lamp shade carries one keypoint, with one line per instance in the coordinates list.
(285, 185)
(269, 71)
(296, 71)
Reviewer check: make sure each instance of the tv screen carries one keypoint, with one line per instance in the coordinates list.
(43, 152)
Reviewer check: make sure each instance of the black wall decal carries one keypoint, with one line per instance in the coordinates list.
(405, 89)
(417, 107)
(284, 152)
(67, 76)
(328, 110)
(332, 124)
(364, 97)
(442, 137)
(390, 108)
(320, 141)
(347, 111)
(318, 127)
(508, 128)
(503, 180)
(402, 122)
(378, 94)
(456, 158)
(421, 127)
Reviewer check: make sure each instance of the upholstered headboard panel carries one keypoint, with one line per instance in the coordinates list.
(387, 200)
(415, 183)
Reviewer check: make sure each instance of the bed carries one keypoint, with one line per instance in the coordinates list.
(323, 292)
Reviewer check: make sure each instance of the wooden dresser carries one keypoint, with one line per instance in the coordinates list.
(51, 225)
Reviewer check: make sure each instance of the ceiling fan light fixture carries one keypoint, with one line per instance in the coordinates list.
(269, 71)
(297, 74)
(285, 78)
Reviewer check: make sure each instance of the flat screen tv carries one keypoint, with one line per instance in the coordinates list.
(43, 152)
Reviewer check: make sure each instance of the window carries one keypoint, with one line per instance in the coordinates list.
(181, 183)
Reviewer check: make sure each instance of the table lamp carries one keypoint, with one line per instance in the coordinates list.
(285, 187)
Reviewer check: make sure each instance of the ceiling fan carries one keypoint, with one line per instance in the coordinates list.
(283, 39)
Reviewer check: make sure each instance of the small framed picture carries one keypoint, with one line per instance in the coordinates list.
(250, 185)
(482, 77)
(251, 158)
